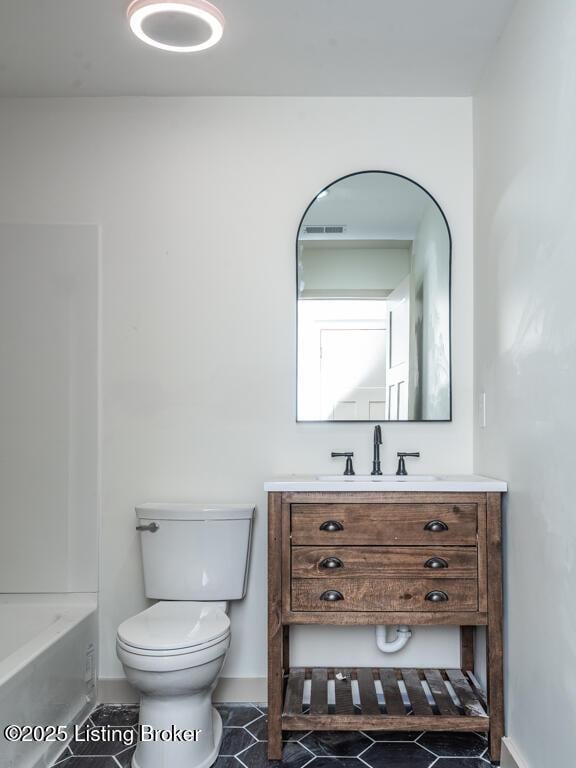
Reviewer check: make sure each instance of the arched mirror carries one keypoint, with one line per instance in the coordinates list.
(373, 287)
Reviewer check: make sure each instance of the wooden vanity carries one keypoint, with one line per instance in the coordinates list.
(385, 557)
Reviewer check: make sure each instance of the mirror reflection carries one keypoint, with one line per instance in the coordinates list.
(373, 254)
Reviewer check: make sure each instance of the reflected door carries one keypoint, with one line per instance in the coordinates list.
(353, 374)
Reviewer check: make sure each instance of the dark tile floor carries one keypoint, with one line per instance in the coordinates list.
(244, 745)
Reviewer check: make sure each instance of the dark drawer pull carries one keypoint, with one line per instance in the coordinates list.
(437, 596)
(436, 562)
(435, 526)
(332, 595)
(332, 562)
(331, 525)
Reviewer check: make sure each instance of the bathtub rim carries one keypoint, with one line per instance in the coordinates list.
(73, 607)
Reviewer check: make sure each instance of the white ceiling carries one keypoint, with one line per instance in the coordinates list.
(372, 206)
(288, 48)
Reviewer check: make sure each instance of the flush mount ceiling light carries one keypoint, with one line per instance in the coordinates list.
(184, 26)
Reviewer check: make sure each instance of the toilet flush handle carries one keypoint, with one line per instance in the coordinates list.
(152, 527)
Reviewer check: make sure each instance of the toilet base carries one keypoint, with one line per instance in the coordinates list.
(186, 757)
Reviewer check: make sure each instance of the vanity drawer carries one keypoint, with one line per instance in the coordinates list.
(369, 594)
(342, 562)
(373, 524)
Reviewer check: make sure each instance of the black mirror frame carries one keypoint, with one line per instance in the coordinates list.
(437, 204)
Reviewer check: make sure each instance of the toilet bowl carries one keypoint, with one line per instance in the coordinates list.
(172, 653)
(195, 559)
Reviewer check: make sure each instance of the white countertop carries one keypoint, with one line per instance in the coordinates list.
(337, 483)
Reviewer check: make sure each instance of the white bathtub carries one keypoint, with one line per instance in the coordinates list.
(47, 669)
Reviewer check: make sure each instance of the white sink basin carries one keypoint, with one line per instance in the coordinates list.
(380, 483)
(376, 478)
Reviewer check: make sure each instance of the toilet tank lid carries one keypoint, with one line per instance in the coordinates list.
(194, 511)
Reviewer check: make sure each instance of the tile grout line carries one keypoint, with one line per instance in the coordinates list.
(429, 750)
(243, 750)
(236, 757)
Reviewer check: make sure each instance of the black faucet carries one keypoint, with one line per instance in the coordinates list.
(377, 443)
(349, 469)
(402, 464)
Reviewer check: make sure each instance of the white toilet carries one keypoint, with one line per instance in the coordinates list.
(195, 559)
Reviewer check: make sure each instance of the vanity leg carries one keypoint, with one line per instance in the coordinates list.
(286, 648)
(275, 686)
(276, 632)
(495, 654)
(467, 649)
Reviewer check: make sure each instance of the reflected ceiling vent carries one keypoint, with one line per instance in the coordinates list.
(325, 229)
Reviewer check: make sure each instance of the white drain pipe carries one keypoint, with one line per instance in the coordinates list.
(403, 634)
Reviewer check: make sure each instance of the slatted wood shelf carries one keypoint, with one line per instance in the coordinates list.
(366, 698)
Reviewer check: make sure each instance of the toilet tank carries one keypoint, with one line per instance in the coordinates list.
(195, 551)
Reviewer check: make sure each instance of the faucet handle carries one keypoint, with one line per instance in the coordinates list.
(402, 464)
(349, 469)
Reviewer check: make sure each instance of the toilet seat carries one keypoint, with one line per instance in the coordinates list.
(167, 654)
(136, 659)
(172, 628)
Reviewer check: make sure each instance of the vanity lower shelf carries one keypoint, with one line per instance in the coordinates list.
(366, 698)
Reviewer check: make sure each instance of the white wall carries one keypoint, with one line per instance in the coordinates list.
(526, 359)
(431, 270)
(48, 408)
(344, 271)
(199, 202)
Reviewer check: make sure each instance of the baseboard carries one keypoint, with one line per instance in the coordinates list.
(117, 690)
(240, 689)
(511, 757)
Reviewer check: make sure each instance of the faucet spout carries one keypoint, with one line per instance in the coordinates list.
(376, 470)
